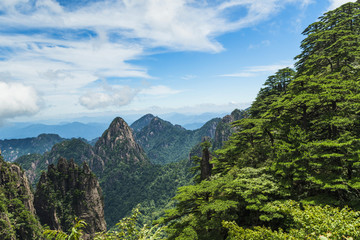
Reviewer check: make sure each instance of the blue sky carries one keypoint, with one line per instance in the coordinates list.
(65, 59)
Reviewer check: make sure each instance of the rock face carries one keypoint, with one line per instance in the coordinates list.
(68, 191)
(224, 129)
(118, 144)
(17, 212)
(16, 175)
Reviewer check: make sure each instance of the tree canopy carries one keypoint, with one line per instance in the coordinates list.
(301, 141)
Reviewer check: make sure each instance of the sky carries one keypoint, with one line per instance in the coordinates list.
(66, 59)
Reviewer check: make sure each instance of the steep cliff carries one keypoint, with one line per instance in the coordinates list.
(224, 128)
(117, 143)
(17, 213)
(68, 191)
(70, 149)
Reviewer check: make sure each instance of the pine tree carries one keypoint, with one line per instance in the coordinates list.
(317, 120)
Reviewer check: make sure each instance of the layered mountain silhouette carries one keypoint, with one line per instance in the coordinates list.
(144, 163)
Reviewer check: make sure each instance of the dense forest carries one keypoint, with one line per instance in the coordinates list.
(291, 169)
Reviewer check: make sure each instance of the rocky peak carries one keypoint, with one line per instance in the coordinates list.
(68, 191)
(142, 122)
(158, 125)
(118, 131)
(118, 143)
(209, 128)
(225, 129)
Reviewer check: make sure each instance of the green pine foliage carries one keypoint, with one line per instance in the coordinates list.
(301, 141)
(16, 219)
(304, 222)
(291, 170)
(317, 120)
(129, 228)
(241, 194)
(76, 232)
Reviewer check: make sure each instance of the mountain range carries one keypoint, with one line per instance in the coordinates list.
(130, 162)
(88, 131)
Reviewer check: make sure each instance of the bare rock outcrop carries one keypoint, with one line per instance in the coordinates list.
(68, 191)
(118, 144)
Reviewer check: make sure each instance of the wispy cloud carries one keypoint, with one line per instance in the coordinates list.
(58, 51)
(188, 77)
(264, 43)
(159, 90)
(337, 3)
(255, 70)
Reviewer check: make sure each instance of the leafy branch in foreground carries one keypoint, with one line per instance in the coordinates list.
(76, 232)
(304, 222)
(127, 228)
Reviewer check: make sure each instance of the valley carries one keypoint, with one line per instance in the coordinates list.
(144, 163)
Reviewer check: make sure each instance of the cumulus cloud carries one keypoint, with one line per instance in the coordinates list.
(17, 99)
(109, 97)
(337, 3)
(61, 50)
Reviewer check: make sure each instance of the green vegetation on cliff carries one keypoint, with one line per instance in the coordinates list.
(166, 143)
(17, 214)
(14, 148)
(68, 191)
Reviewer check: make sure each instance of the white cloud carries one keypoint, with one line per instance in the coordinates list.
(17, 99)
(177, 24)
(110, 96)
(337, 3)
(188, 77)
(255, 70)
(239, 75)
(159, 90)
(59, 51)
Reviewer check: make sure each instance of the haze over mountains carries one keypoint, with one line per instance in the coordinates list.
(143, 164)
(91, 128)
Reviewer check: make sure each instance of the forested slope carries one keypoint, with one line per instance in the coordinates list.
(164, 142)
(293, 165)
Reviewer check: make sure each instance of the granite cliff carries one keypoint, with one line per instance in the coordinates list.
(67, 191)
(17, 212)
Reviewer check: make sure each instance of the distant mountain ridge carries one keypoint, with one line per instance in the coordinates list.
(123, 159)
(14, 148)
(125, 174)
(88, 131)
(164, 142)
(142, 122)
